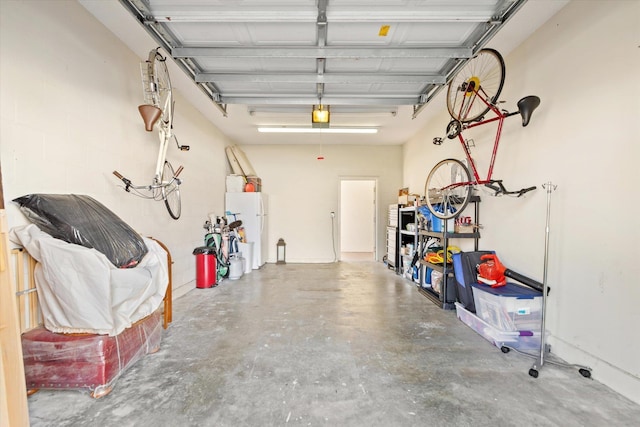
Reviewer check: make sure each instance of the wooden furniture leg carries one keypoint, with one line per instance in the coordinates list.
(13, 396)
(168, 300)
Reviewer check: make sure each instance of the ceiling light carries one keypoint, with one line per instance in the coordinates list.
(284, 129)
(320, 116)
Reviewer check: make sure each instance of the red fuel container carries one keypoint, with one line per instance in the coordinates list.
(205, 267)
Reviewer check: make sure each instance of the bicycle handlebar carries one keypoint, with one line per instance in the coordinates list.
(127, 182)
(129, 185)
(525, 190)
(499, 188)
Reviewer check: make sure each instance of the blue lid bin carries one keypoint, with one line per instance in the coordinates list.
(509, 308)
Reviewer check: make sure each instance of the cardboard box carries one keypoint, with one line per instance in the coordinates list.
(407, 199)
(403, 196)
(465, 228)
(235, 183)
(255, 182)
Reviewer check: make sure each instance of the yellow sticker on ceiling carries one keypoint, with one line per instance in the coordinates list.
(384, 30)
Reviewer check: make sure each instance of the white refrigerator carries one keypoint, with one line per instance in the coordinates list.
(251, 209)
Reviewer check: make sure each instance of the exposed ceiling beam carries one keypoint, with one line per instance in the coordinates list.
(321, 23)
(369, 110)
(321, 41)
(321, 52)
(310, 99)
(331, 78)
(273, 15)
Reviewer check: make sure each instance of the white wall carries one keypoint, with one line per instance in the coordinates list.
(584, 138)
(69, 117)
(303, 191)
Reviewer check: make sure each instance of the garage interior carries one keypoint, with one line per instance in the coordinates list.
(325, 339)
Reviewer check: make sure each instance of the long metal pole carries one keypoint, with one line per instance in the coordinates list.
(540, 362)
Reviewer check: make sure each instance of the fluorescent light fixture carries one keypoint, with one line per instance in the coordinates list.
(282, 129)
(320, 115)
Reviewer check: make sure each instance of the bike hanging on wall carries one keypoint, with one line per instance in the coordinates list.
(157, 112)
(472, 94)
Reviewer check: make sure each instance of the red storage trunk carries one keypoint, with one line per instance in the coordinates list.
(69, 361)
(205, 267)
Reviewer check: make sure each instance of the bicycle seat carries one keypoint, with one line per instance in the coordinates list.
(150, 114)
(526, 106)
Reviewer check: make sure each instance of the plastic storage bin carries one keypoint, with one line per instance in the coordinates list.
(247, 253)
(521, 340)
(236, 266)
(510, 307)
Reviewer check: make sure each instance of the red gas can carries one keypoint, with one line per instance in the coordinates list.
(205, 267)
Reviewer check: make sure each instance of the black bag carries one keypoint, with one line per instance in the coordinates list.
(464, 269)
(82, 220)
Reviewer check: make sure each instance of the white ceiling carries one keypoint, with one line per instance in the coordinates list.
(266, 63)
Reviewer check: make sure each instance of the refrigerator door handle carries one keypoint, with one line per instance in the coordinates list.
(261, 215)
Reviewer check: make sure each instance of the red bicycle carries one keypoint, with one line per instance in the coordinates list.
(472, 93)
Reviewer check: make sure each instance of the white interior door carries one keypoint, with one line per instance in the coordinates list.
(357, 216)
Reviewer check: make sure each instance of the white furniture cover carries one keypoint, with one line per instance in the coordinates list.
(81, 291)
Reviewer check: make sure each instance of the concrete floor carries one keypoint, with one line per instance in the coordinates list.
(347, 344)
(357, 256)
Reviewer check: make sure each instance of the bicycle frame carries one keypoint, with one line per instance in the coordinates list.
(157, 184)
(164, 134)
(450, 183)
(500, 116)
(164, 127)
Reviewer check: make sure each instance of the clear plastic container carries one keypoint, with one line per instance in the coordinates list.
(510, 307)
(521, 340)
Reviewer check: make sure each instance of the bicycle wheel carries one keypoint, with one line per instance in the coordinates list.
(448, 189)
(160, 85)
(171, 192)
(477, 83)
